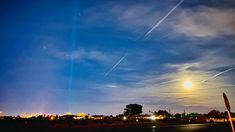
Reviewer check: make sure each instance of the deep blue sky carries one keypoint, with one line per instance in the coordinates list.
(54, 55)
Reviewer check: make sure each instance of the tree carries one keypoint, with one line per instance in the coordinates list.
(214, 114)
(163, 113)
(133, 109)
(178, 116)
(193, 115)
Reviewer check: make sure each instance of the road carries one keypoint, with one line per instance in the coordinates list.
(171, 128)
(211, 127)
(193, 128)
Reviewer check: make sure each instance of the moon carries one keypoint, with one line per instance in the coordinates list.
(187, 84)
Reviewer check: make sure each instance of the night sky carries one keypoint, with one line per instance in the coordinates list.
(91, 56)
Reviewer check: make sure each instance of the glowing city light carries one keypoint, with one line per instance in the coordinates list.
(152, 117)
(52, 118)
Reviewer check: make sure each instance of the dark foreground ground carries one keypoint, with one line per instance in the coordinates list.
(153, 127)
(170, 128)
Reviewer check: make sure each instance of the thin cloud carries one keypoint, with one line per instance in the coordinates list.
(168, 82)
(198, 21)
(204, 21)
(81, 54)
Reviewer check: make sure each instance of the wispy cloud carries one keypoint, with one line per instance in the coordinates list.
(81, 55)
(165, 89)
(205, 21)
(197, 21)
(136, 18)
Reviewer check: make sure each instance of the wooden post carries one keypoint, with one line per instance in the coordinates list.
(230, 120)
(227, 105)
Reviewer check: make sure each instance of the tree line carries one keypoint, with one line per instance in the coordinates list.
(136, 109)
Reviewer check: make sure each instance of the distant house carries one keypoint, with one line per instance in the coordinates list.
(216, 120)
(135, 117)
(80, 116)
(224, 118)
(143, 117)
(98, 117)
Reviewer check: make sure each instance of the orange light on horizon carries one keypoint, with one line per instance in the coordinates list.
(153, 117)
(52, 118)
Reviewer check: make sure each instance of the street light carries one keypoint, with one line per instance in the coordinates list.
(152, 118)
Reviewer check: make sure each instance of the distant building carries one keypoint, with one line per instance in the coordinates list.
(224, 118)
(80, 116)
(216, 120)
(98, 117)
(139, 117)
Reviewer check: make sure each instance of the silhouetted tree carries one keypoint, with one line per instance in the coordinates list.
(177, 116)
(193, 115)
(133, 109)
(163, 113)
(214, 114)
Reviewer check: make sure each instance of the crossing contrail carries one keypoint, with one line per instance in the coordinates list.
(114, 66)
(159, 22)
(218, 74)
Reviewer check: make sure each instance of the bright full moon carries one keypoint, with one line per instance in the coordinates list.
(187, 84)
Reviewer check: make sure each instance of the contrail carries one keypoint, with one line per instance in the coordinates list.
(114, 66)
(159, 22)
(171, 81)
(154, 27)
(218, 74)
